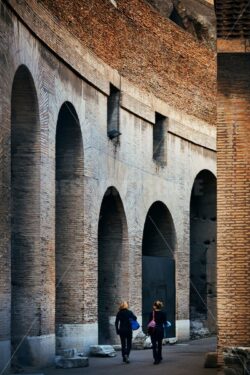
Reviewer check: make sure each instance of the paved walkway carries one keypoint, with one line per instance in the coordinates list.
(178, 359)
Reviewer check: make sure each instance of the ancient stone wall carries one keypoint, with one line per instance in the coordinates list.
(83, 168)
(197, 17)
(151, 51)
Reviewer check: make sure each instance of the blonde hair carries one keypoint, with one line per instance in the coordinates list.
(123, 305)
(158, 305)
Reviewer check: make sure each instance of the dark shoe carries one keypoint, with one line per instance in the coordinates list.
(156, 362)
(126, 359)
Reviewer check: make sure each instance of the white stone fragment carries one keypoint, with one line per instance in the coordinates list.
(102, 350)
(75, 362)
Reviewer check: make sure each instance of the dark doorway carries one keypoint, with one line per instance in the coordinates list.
(203, 292)
(113, 264)
(25, 214)
(69, 221)
(158, 264)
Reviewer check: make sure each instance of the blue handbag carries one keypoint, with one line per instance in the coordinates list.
(134, 324)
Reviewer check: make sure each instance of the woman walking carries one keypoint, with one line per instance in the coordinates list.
(157, 333)
(124, 329)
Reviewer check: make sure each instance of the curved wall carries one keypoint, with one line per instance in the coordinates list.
(128, 165)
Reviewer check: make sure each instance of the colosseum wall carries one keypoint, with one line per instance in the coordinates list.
(66, 205)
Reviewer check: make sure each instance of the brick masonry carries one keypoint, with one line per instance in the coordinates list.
(25, 208)
(127, 165)
(233, 200)
(154, 60)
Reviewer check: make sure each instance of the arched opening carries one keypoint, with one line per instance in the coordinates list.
(25, 215)
(158, 263)
(69, 229)
(113, 264)
(203, 255)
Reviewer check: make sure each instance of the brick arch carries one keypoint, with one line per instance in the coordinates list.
(159, 246)
(113, 267)
(69, 224)
(25, 213)
(203, 291)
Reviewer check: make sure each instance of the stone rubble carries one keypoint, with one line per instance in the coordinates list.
(70, 358)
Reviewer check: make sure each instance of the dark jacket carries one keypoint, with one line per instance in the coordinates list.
(160, 320)
(122, 321)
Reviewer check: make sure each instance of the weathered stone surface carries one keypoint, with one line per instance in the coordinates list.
(117, 347)
(195, 16)
(75, 362)
(198, 19)
(147, 343)
(172, 340)
(165, 7)
(68, 353)
(197, 329)
(139, 341)
(236, 360)
(102, 351)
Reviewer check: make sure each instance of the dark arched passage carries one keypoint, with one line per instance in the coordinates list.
(158, 264)
(25, 214)
(113, 264)
(203, 255)
(69, 227)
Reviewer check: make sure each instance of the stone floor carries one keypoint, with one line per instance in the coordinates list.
(179, 359)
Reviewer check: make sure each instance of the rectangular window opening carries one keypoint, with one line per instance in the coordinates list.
(160, 139)
(113, 113)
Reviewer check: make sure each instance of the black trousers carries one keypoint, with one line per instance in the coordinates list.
(126, 342)
(156, 340)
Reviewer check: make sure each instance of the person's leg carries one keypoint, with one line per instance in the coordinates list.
(154, 348)
(123, 344)
(160, 348)
(127, 348)
(129, 344)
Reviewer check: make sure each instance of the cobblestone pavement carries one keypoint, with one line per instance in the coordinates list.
(179, 359)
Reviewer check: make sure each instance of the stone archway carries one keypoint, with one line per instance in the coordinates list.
(158, 263)
(113, 263)
(203, 293)
(69, 230)
(25, 216)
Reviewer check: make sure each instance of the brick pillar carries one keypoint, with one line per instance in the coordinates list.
(32, 308)
(233, 200)
(26, 306)
(5, 240)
